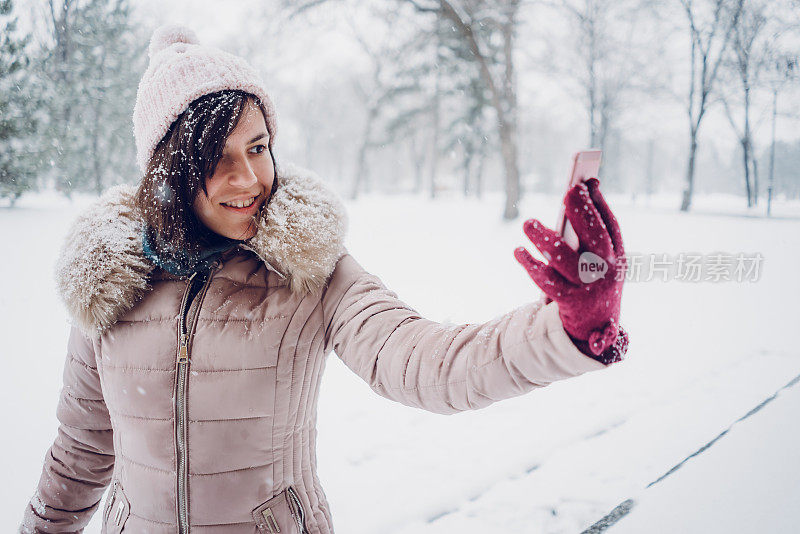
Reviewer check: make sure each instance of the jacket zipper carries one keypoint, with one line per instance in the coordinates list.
(298, 515)
(180, 393)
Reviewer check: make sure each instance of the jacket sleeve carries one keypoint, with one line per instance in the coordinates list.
(442, 368)
(79, 465)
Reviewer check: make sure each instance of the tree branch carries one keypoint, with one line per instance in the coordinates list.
(449, 12)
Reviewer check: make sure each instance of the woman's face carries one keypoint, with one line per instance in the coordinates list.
(241, 181)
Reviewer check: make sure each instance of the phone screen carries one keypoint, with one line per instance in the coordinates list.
(585, 165)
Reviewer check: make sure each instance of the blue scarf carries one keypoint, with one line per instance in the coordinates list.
(185, 263)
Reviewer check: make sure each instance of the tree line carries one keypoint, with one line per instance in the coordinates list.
(67, 96)
(442, 89)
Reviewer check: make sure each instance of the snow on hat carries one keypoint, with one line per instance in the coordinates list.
(180, 71)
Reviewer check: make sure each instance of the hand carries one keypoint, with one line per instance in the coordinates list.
(588, 300)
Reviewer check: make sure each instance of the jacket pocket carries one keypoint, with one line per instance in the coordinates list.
(116, 511)
(282, 514)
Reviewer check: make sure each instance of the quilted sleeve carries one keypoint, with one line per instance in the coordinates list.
(443, 369)
(78, 466)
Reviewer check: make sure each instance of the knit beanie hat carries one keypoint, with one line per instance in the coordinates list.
(180, 71)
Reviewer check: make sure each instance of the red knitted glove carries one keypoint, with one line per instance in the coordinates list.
(587, 284)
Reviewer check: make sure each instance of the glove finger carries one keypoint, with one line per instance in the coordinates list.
(560, 255)
(593, 184)
(587, 222)
(549, 281)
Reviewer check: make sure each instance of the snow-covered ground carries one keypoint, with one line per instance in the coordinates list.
(702, 355)
(749, 480)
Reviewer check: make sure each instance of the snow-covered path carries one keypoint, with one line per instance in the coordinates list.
(556, 460)
(748, 480)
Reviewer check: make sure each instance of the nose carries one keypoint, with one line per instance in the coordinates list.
(242, 175)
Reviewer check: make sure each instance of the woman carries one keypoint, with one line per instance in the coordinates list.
(205, 301)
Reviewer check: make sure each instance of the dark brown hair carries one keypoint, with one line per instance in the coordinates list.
(187, 154)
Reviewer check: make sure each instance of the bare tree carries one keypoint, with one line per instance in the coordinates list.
(749, 56)
(455, 97)
(711, 24)
(385, 86)
(469, 136)
(603, 59)
(499, 79)
(466, 22)
(591, 48)
(416, 151)
(436, 107)
(781, 69)
(373, 94)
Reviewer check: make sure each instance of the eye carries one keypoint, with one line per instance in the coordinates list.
(258, 149)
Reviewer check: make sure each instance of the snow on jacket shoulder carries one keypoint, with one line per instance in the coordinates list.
(223, 438)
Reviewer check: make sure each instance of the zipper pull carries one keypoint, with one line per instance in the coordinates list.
(269, 520)
(120, 510)
(183, 351)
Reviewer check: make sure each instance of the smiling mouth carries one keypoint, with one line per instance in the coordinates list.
(249, 206)
(240, 203)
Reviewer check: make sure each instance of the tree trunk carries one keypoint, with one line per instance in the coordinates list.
(509, 149)
(98, 174)
(467, 165)
(772, 152)
(601, 139)
(649, 171)
(434, 168)
(754, 163)
(479, 174)
(361, 166)
(434, 148)
(591, 67)
(747, 149)
(689, 189)
(98, 120)
(417, 156)
(746, 158)
(62, 34)
(95, 155)
(508, 125)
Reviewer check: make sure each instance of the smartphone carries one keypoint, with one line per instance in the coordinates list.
(585, 165)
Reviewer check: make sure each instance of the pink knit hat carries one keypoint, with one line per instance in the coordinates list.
(179, 72)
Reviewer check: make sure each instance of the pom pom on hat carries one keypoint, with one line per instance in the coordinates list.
(168, 35)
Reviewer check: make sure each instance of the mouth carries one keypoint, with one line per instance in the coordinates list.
(245, 206)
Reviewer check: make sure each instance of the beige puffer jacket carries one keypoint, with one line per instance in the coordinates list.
(201, 412)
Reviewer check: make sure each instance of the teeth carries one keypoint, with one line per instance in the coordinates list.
(240, 203)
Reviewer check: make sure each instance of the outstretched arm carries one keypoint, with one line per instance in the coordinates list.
(443, 369)
(79, 464)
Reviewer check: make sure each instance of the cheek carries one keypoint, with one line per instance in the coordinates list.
(203, 207)
(208, 199)
(212, 188)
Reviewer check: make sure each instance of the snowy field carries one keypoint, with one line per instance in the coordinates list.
(702, 355)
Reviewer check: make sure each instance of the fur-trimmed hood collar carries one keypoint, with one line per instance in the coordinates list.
(102, 272)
